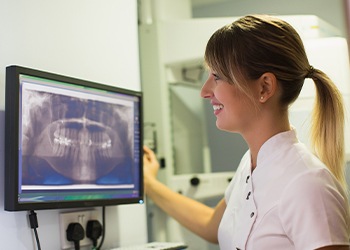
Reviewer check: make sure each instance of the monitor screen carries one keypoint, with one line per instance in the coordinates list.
(70, 142)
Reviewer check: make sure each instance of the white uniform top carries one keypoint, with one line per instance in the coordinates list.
(290, 201)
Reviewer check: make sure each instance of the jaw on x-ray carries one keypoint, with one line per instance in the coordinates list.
(68, 140)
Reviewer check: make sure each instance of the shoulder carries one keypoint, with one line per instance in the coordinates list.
(312, 185)
(314, 204)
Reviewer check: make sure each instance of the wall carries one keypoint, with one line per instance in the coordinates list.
(332, 12)
(187, 135)
(87, 39)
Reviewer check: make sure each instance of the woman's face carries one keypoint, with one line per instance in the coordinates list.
(234, 110)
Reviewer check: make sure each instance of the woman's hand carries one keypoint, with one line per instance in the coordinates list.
(150, 166)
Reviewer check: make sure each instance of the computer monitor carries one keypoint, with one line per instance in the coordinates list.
(70, 142)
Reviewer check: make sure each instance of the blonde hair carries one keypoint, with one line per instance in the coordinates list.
(256, 44)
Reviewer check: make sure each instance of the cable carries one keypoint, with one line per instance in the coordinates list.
(37, 238)
(93, 231)
(33, 220)
(103, 227)
(75, 232)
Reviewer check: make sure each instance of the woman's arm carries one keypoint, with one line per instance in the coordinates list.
(334, 248)
(195, 216)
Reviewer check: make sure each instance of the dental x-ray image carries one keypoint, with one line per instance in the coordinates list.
(70, 140)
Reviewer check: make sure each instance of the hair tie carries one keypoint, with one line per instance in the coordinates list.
(310, 72)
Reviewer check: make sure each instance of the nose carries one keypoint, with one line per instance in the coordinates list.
(206, 91)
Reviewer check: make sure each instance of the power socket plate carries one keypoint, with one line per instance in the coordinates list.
(81, 217)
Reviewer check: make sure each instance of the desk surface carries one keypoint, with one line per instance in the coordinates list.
(155, 246)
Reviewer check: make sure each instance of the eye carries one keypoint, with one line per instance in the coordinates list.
(216, 77)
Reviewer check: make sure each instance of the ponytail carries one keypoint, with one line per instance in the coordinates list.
(327, 126)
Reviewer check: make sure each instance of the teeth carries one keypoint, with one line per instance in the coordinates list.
(218, 107)
(82, 150)
(101, 140)
(107, 144)
(62, 141)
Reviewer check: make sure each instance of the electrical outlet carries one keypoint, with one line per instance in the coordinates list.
(81, 217)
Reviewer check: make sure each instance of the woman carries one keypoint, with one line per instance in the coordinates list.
(282, 195)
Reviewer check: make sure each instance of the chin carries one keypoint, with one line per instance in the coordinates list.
(224, 127)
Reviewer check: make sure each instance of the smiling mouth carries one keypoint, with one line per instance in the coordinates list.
(218, 107)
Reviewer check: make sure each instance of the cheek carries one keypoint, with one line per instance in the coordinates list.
(230, 97)
(238, 109)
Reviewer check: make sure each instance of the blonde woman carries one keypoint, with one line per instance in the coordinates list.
(282, 196)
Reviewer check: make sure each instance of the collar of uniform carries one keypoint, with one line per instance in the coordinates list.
(270, 149)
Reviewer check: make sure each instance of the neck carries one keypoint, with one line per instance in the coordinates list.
(264, 130)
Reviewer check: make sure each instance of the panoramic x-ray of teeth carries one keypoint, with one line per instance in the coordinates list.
(69, 140)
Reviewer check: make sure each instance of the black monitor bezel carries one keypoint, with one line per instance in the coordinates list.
(12, 102)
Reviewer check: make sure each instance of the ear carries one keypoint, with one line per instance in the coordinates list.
(267, 86)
